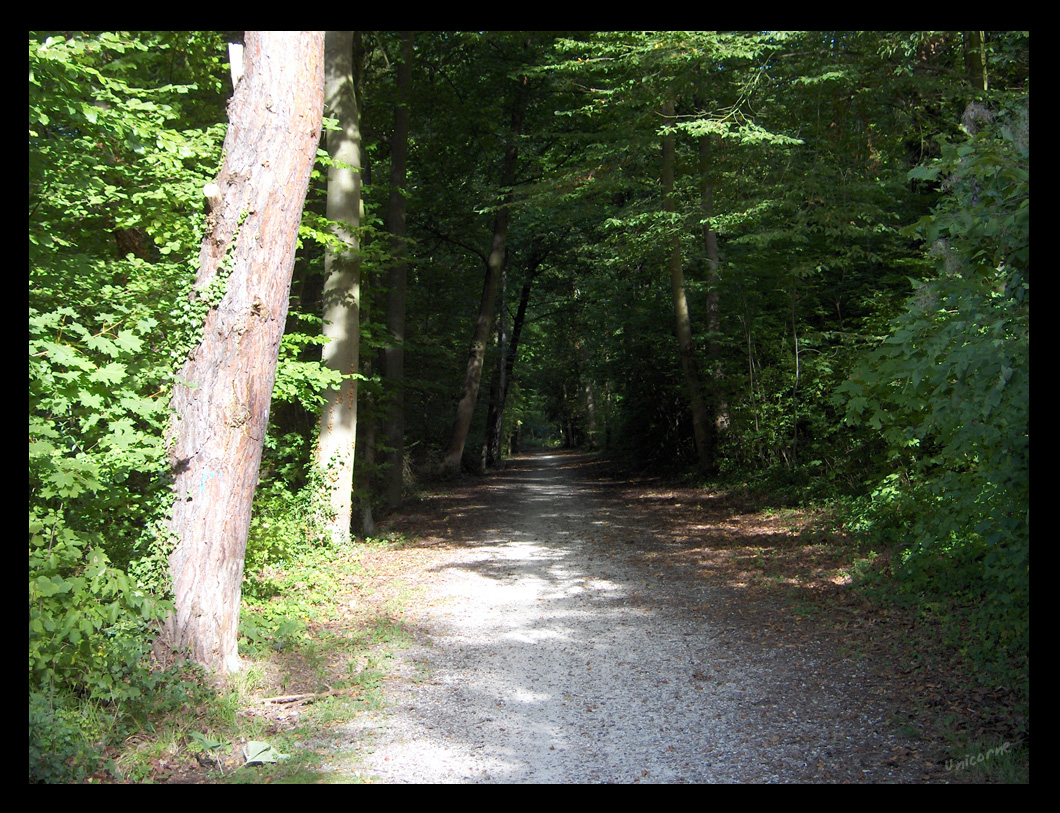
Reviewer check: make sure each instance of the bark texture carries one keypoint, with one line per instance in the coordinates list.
(222, 402)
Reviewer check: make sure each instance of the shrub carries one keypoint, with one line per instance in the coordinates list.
(58, 751)
(948, 391)
(89, 625)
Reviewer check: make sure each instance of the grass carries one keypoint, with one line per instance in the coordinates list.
(325, 630)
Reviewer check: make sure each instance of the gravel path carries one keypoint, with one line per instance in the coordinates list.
(551, 657)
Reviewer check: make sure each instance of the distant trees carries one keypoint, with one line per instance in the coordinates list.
(515, 108)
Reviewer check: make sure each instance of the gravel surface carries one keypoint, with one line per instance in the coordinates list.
(549, 654)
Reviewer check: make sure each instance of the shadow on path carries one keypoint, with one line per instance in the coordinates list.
(559, 650)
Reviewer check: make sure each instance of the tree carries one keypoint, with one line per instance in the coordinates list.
(508, 346)
(703, 83)
(393, 355)
(342, 286)
(483, 324)
(238, 306)
(701, 424)
(718, 411)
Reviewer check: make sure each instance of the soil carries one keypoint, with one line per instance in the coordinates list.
(578, 625)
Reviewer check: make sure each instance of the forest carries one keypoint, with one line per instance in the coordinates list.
(279, 282)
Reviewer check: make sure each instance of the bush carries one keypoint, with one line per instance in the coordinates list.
(58, 751)
(89, 626)
(948, 392)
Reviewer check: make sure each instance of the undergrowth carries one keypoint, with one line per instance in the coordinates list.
(306, 628)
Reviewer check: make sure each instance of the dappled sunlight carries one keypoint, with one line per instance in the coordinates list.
(557, 571)
(714, 537)
(577, 613)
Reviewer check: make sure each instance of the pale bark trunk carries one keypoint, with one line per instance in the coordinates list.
(683, 322)
(342, 287)
(221, 404)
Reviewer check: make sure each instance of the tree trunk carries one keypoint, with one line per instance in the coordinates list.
(975, 59)
(503, 376)
(495, 414)
(719, 412)
(221, 404)
(342, 287)
(396, 283)
(700, 420)
(582, 350)
(465, 409)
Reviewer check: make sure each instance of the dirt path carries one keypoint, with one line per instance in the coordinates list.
(566, 635)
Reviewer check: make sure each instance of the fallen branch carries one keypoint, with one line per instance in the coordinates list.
(286, 699)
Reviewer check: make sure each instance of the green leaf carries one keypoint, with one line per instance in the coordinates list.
(112, 373)
(208, 743)
(46, 586)
(103, 345)
(92, 400)
(65, 482)
(256, 753)
(923, 173)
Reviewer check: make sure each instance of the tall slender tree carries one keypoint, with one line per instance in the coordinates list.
(682, 319)
(716, 397)
(221, 402)
(502, 373)
(483, 324)
(342, 287)
(393, 354)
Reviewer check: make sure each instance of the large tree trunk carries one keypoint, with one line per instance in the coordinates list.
(465, 409)
(396, 283)
(700, 420)
(221, 402)
(342, 287)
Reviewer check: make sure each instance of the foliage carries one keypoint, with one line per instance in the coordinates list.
(284, 526)
(297, 380)
(58, 752)
(88, 623)
(114, 196)
(948, 389)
